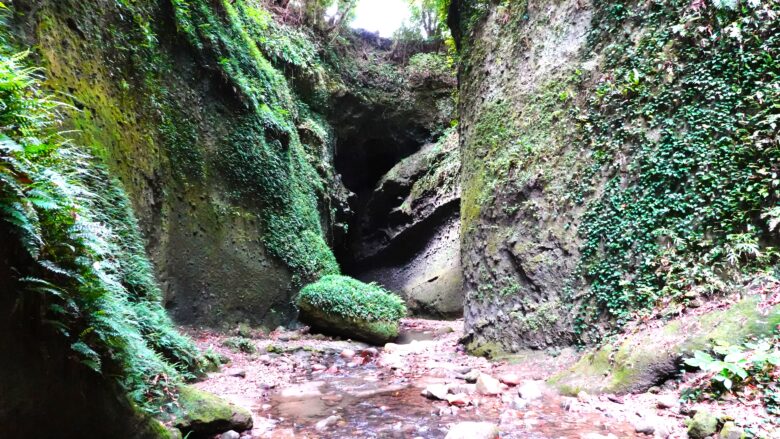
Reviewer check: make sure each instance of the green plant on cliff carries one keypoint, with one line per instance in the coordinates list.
(85, 274)
(689, 110)
(265, 157)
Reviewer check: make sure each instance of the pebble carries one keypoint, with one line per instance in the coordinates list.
(518, 404)
(569, 404)
(369, 352)
(530, 390)
(327, 422)
(347, 354)
(436, 391)
(510, 379)
(460, 400)
(239, 373)
(443, 330)
(644, 425)
(487, 385)
(332, 397)
(471, 377)
(667, 402)
(230, 435)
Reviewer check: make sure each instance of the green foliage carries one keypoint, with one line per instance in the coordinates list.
(744, 370)
(430, 67)
(240, 344)
(264, 156)
(683, 126)
(350, 298)
(89, 275)
(429, 16)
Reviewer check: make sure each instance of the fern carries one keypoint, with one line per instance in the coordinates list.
(90, 276)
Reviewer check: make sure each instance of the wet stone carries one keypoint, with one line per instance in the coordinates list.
(473, 430)
(230, 435)
(327, 422)
(530, 390)
(510, 379)
(436, 391)
(487, 385)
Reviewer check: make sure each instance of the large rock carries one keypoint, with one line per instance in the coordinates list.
(647, 357)
(703, 425)
(204, 414)
(344, 306)
(575, 192)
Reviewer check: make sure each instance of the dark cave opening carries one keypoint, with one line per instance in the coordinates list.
(362, 163)
(362, 159)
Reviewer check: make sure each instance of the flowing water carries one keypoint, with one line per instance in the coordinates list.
(375, 401)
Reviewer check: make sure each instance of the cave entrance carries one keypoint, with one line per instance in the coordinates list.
(363, 163)
(408, 242)
(363, 160)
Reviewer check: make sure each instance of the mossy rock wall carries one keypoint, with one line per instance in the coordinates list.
(612, 161)
(232, 204)
(646, 358)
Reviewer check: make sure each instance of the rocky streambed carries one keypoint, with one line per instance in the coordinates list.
(301, 385)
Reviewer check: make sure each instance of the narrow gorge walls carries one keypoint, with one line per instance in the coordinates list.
(618, 158)
(227, 167)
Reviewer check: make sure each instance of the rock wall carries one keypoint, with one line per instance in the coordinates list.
(409, 233)
(206, 136)
(608, 166)
(223, 125)
(519, 246)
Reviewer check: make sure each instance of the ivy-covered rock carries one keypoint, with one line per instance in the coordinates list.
(619, 159)
(345, 306)
(204, 414)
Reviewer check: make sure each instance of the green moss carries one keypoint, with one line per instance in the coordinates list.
(642, 358)
(346, 306)
(264, 156)
(347, 297)
(490, 350)
(205, 413)
(89, 254)
(240, 344)
(703, 425)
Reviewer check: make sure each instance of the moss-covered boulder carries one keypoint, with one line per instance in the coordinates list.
(653, 354)
(345, 306)
(204, 414)
(703, 425)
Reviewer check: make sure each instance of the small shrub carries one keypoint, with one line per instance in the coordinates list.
(749, 370)
(240, 344)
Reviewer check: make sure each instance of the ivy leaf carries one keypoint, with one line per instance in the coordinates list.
(726, 4)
